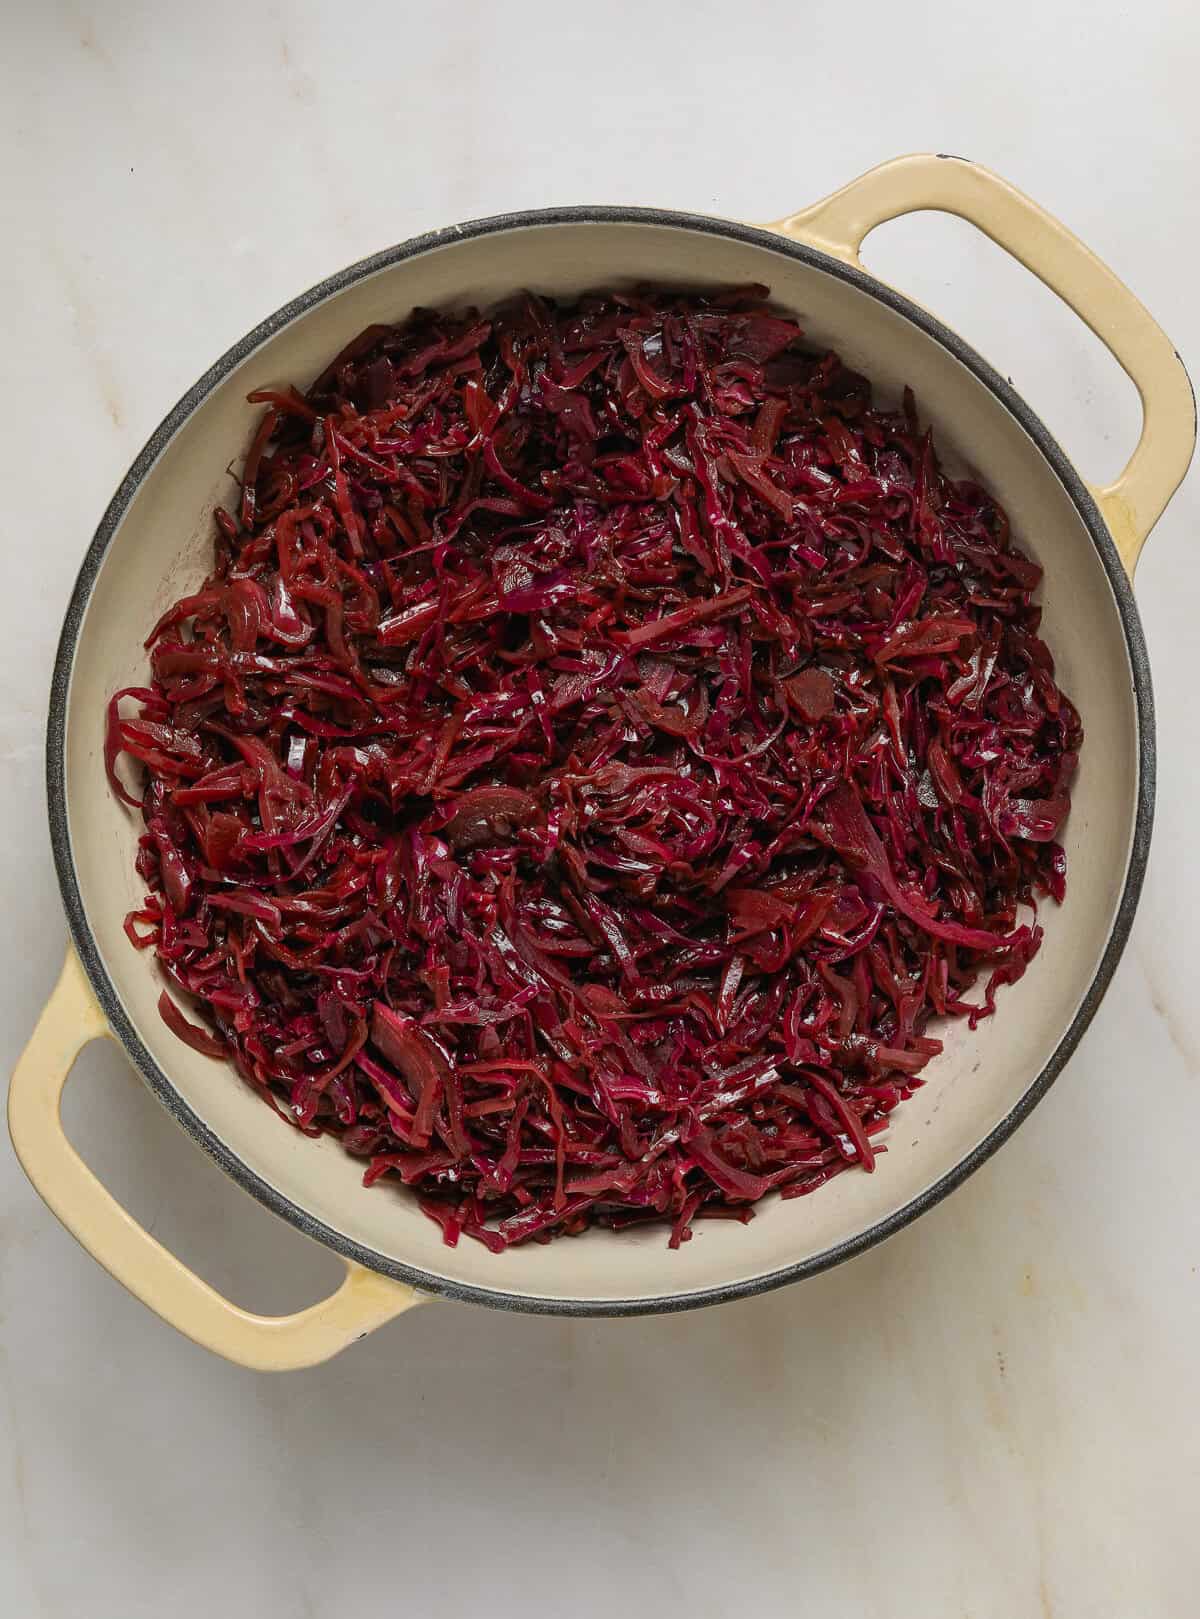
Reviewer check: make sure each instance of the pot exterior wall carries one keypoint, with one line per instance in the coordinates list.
(156, 541)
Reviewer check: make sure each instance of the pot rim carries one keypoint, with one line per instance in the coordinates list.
(80, 927)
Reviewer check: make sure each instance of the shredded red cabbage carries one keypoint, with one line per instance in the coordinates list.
(603, 744)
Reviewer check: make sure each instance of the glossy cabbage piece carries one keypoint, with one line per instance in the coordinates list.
(605, 743)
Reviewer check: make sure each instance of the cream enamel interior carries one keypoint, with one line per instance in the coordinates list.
(162, 546)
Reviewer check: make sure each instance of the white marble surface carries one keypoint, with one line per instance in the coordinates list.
(992, 1415)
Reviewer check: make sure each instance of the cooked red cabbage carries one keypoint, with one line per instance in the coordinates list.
(605, 742)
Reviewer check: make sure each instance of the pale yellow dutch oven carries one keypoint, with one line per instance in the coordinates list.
(154, 544)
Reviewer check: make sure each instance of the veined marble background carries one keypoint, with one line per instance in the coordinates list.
(990, 1416)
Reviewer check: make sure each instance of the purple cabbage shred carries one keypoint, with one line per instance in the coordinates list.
(605, 744)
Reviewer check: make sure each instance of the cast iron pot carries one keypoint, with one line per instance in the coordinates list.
(154, 544)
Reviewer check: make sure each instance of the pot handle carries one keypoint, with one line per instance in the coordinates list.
(70, 1020)
(838, 225)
